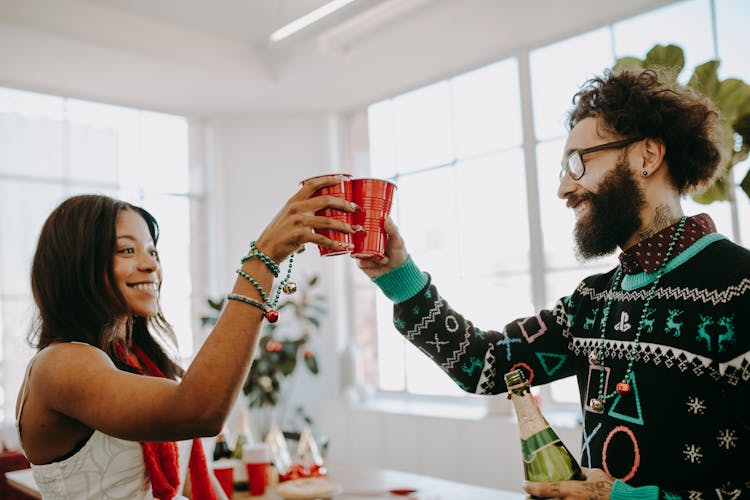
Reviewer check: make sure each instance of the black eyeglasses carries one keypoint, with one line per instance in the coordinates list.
(574, 164)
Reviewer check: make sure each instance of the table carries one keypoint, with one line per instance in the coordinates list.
(359, 483)
(22, 480)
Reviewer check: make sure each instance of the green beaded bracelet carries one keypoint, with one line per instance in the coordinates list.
(268, 261)
(257, 285)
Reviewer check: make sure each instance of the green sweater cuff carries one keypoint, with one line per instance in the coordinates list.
(621, 491)
(402, 283)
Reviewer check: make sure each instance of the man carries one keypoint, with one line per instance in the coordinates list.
(660, 345)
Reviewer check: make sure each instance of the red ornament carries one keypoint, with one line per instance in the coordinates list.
(623, 388)
(273, 346)
(272, 316)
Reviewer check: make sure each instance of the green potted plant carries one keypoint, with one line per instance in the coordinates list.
(732, 97)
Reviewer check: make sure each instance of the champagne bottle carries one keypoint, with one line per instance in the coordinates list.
(545, 457)
(221, 449)
(241, 442)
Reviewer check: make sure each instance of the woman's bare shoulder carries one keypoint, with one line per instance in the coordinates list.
(61, 357)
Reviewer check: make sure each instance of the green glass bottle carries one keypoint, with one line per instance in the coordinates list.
(545, 457)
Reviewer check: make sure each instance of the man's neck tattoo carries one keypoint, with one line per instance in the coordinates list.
(663, 217)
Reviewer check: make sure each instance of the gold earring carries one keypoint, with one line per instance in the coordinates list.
(644, 173)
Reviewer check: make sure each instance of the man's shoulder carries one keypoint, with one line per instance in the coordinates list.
(724, 253)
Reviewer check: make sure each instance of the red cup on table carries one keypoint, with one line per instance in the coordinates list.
(341, 190)
(374, 197)
(224, 472)
(257, 459)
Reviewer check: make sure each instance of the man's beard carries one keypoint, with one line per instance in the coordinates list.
(613, 214)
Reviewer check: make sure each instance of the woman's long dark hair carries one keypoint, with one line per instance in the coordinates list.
(72, 280)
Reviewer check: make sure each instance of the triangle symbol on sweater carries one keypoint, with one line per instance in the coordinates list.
(628, 399)
(557, 361)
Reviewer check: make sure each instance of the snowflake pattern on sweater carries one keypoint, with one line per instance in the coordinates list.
(685, 426)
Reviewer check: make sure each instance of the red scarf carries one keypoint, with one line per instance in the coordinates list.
(161, 458)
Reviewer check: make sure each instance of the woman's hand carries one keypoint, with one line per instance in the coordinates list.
(395, 253)
(293, 225)
(596, 486)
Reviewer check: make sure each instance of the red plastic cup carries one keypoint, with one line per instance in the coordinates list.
(257, 460)
(374, 196)
(224, 472)
(340, 190)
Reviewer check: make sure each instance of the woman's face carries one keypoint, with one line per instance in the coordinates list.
(136, 265)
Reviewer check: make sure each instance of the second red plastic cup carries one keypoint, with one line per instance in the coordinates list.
(224, 472)
(374, 196)
(342, 190)
(257, 460)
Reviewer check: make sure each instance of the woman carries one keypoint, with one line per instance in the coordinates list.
(90, 422)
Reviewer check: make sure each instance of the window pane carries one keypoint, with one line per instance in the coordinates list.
(487, 190)
(103, 142)
(20, 231)
(44, 160)
(32, 105)
(565, 391)
(734, 44)
(557, 71)
(487, 110)
(427, 217)
(423, 128)
(720, 212)
(381, 137)
(165, 150)
(660, 28)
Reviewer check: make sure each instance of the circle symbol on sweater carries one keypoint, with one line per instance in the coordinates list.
(636, 452)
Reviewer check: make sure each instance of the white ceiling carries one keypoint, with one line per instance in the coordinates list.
(209, 57)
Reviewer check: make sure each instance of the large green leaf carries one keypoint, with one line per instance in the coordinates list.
(705, 79)
(628, 63)
(721, 190)
(669, 56)
(733, 99)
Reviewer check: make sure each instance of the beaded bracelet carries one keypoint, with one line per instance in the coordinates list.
(248, 300)
(257, 285)
(268, 261)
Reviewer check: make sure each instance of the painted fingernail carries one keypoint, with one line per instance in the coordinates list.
(355, 206)
(358, 229)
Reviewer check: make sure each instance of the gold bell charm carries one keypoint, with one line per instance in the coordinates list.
(596, 405)
(594, 357)
(289, 287)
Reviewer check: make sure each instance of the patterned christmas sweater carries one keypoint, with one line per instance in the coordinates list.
(683, 431)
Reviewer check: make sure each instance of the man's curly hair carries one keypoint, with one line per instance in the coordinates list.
(646, 103)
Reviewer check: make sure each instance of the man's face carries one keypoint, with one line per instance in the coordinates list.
(612, 214)
(607, 200)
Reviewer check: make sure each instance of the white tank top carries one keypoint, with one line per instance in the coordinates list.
(104, 468)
